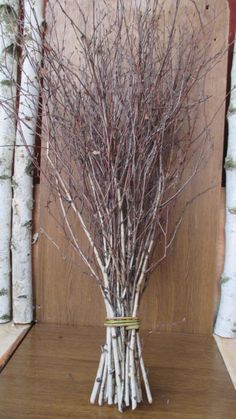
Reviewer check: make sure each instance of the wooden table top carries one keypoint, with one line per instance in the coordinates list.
(52, 372)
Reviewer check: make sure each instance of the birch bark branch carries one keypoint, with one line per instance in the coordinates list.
(226, 318)
(23, 167)
(8, 74)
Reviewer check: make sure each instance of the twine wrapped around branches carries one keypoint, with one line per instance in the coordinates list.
(129, 323)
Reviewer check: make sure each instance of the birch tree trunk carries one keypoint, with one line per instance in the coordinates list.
(23, 167)
(8, 73)
(226, 319)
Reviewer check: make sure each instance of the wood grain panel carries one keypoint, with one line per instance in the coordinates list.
(51, 375)
(183, 292)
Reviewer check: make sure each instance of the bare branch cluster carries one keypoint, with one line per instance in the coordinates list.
(120, 110)
(120, 129)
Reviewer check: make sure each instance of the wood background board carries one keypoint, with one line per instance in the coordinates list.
(51, 376)
(183, 293)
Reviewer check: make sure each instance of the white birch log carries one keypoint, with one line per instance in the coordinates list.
(226, 318)
(8, 73)
(23, 167)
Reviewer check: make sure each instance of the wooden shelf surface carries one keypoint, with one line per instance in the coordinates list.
(10, 337)
(51, 374)
(227, 348)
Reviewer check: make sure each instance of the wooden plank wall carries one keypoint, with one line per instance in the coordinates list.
(182, 294)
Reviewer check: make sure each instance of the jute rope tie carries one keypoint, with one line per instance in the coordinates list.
(129, 323)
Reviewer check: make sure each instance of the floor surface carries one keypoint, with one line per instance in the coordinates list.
(52, 372)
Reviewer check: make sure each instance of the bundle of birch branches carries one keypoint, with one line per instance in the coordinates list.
(119, 112)
(119, 116)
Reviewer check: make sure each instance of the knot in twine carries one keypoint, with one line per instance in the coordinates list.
(129, 323)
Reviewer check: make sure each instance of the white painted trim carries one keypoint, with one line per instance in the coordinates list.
(227, 348)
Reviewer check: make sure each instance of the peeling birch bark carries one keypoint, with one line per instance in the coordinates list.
(23, 167)
(226, 318)
(8, 74)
